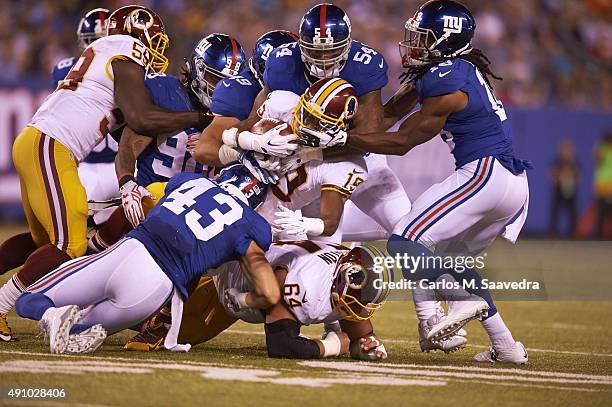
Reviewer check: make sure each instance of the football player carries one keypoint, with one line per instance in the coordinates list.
(96, 170)
(232, 102)
(486, 196)
(320, 282)
(197, 225)
(325, 49)
(103, 89)
(216, 56)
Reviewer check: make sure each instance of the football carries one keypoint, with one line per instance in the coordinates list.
(264, 125)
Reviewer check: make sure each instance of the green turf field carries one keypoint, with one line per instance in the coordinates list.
(568, 342)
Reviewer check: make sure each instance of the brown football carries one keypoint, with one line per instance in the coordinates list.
(264, 125)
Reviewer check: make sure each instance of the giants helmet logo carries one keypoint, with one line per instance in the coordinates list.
(452, 25)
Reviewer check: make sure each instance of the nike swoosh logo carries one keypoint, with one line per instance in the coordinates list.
(382, 63)
(227, 85)
(442, 75)
(304, 298)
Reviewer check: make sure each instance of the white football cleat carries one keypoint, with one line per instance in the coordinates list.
(56, 323)
(517, 355)
(449, 345)
(459, 314)
(87, 341)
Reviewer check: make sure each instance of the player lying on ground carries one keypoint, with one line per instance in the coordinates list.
(105, 88)
(157, 160)
(488, 194)
(197, 225)
(319, 282)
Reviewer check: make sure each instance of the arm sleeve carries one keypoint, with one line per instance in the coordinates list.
(342, 177)
(283, 340)
(281, 68)
(233, 99)
(442, 80)
(372, 76)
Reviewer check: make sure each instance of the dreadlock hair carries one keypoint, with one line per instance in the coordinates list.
(475, 57)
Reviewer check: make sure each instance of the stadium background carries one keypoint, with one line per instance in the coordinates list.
(554, 56)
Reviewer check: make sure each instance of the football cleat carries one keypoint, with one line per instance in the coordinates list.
(517, 355)
(459, 313)
(449, 345)
(87, 341)
(6, 334)
(56, 323)
(150, 338)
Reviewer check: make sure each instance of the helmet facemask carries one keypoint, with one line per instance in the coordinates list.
(204, 80)
(158, 44)
(312, 116)
(418, 45)
(323, 57)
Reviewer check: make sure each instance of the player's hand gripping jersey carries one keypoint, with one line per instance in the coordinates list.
(197, 226)
(365, 69)
(306, 291)
(81, 111)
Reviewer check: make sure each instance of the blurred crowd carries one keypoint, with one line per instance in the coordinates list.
(549, 52)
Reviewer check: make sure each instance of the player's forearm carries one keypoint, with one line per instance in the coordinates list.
(154, 121)
(131, 146)
(209, 148)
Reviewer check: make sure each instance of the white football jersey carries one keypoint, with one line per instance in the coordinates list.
(307, 288)
(81, 111)
(304, 185)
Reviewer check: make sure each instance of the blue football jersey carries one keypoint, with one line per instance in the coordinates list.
(234, 96)
(482, 128)
(365, 69)
(163, 159)
(197, 226)
(105, 151)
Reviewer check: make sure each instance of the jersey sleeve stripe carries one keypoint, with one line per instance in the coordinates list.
(110, 61)
(337, 189)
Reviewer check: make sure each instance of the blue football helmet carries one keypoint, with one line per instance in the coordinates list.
(325, 40)
(92, 27)
(238, 181)
(439, 29)
(264, 46)
(217, 56)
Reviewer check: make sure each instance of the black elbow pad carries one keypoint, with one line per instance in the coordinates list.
(283, 340)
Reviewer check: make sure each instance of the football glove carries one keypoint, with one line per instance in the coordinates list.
(271, 142)
(293, 223)
(132, 195)
(332, 136)
(248, 159)
(235, 300)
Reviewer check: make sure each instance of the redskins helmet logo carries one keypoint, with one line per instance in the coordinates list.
(140, 19)
(355, 276)
(350, 107)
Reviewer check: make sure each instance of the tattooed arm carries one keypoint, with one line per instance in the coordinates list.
(131, 146)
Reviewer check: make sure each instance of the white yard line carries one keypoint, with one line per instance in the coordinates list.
(413, 342)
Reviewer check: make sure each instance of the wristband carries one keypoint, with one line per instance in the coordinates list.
(331, 345)
(314, 226)
(125, 179)
(230, 137)
(227, 154)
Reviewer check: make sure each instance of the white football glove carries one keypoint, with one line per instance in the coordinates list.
(371, 348)
(331, 137)
(271, 142)
(235, 300)
(293, 223)
(132, 195)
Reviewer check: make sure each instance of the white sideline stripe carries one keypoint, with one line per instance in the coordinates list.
(563, 352)
(382, 369)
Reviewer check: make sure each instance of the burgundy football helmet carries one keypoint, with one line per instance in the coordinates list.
(330, 102)
(144, 24)
(360, 286)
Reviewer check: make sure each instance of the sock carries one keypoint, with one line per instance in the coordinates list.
(40, 263)
(114, 229)
(425, 304)
(500, 335)
(15, 251)
(9, 292)
(33, 305)
(399, 246)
